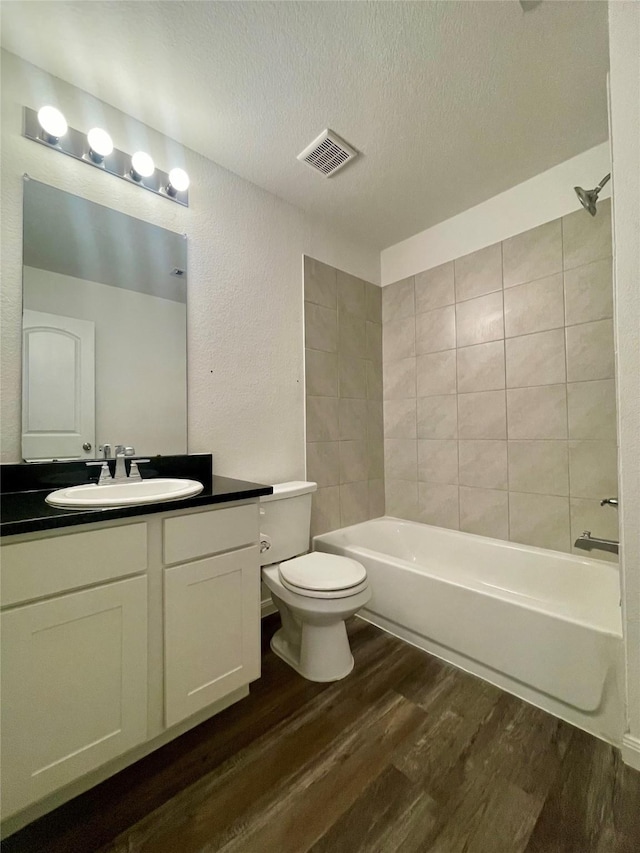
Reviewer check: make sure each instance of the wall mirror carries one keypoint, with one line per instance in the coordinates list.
(104, 330)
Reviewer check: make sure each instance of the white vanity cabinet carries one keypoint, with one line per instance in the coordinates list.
(212, 608)
(74, 664)
(116, 638)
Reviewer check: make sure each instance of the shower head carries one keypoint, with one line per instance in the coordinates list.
(589, 198)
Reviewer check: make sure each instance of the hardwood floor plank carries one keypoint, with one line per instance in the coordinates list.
(455, 710)
(379, 820)
(406, 755)
(310, 807)
(594, 805)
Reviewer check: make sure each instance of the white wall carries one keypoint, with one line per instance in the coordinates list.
(541, 199)
(624, 49)
(246, 396)
(140, 358)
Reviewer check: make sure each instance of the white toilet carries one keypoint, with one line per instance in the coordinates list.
(314, 592)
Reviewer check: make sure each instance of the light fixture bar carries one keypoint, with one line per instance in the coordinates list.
(75, 144)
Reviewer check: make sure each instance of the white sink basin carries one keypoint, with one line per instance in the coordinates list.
(124, 494)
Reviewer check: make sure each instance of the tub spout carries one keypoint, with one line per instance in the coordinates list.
(588, 543)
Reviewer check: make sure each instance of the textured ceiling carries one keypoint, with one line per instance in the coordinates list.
(449, 103)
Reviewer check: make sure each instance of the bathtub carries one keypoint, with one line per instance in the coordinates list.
(540, 624)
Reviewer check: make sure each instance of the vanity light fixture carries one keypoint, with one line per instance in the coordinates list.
(142, 166)
(100, 144)
(49, 127)
(178, 182)
(53, 124)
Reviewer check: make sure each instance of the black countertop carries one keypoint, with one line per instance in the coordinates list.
(24, 510)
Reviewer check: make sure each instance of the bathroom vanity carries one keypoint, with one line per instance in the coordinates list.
(121, 629)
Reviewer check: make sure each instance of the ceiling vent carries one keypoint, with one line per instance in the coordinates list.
(327, 153)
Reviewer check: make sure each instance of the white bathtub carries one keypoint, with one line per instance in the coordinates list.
(543, 625)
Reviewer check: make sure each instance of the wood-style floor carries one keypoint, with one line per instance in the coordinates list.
(406, 754)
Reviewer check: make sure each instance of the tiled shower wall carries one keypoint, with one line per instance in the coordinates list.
(499, 397)
(343, 370)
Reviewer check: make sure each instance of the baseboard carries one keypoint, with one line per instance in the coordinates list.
(630, 750)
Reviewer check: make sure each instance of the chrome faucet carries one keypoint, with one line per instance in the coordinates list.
(122, 452)
(587, 542)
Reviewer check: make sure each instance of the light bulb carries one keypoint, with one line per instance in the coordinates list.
(178, 181)
(100, 144)
(142, 165)
(52, 122)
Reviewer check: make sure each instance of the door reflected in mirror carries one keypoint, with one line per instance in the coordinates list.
(104, 357)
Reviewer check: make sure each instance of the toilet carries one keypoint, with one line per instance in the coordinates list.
(314, 592)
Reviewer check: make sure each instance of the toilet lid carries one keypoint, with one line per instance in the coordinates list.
(322, 572)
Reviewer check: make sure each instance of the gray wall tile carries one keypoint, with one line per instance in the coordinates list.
(438, 505)
(398, 300)
(482, 415)
(588, 292)
(319, 283)
(352, 418)
(352, 374)
(587, 238)
(351, 294)
(536, 359)
(373, 333)
(399, 379)
(321, 373)
(374, 380)
(434, 288)
(549, 291)
(354, 503)
(325, 510)
(436, 373)
(352, 335)
(436, 330)
(376, 498)
(398, 339)
(343, 331)
(437, 417)
(438, 461)
(400, 459)
(322, 419)
(540, 467)
(480, 320)
(481, 367)
(484, 512)
(483, 463)
(593, 469)
(534, 307)
(478, 273)
(373, 295)
(400, 418)
(532, 254)
(321, 327)
(323, 462)
(592, 409)
(590, 353)
(401, 498)
(540, 520)
(537, 412)
(354, 461)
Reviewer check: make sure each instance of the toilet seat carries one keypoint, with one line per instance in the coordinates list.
(322, 575)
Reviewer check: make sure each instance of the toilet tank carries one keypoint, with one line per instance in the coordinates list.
(285, 518)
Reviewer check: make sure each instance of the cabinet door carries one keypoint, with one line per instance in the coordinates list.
(74, 685)
(212, 630)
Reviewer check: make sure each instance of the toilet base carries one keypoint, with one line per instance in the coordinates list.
(310, 659)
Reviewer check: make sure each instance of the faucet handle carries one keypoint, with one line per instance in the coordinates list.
(134, 473)
(129, 451)
(609, 502)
